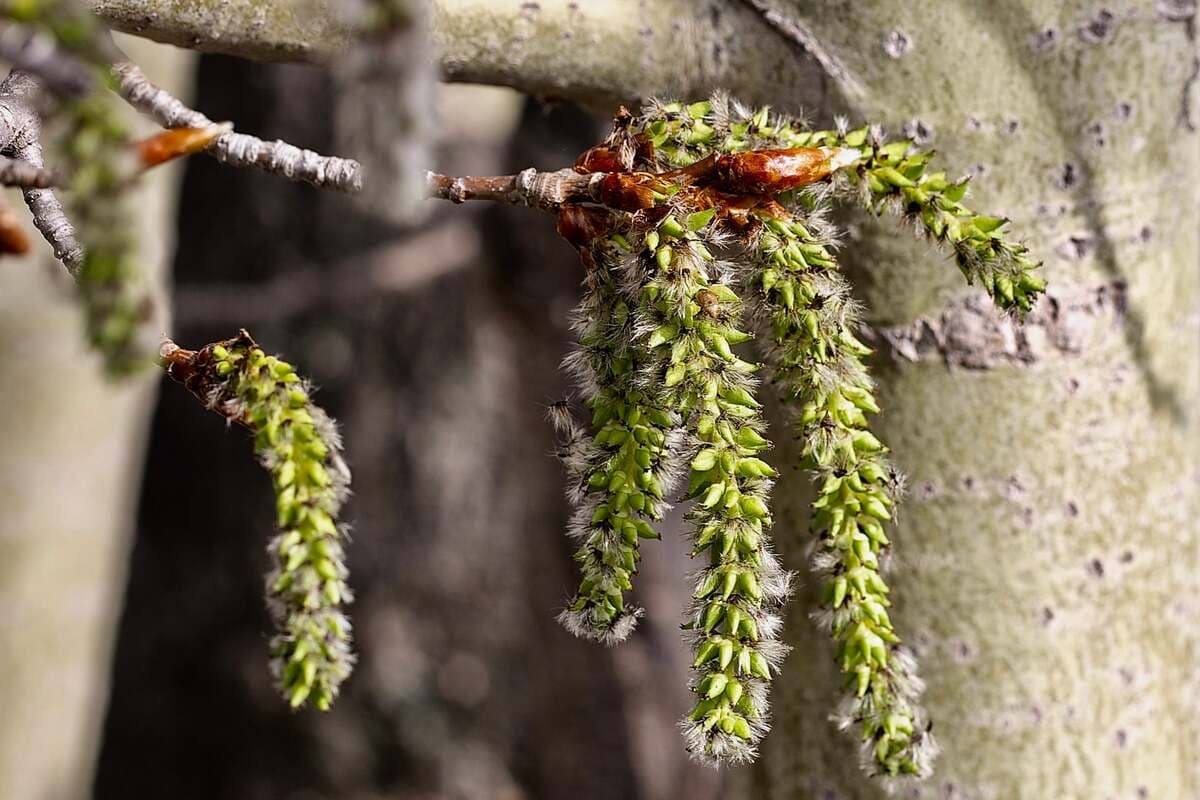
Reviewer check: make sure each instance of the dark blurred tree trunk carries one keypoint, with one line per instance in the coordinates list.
(438, 349)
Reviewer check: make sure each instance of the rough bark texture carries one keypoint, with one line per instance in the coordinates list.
(1047, 558)
(68, 483)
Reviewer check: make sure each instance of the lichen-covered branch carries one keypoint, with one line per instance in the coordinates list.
(276, 30)
(597, 54)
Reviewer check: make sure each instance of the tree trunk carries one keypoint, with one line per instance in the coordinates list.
(72, 462)
(1047, 557)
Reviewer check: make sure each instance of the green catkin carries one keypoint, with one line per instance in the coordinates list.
(116, 307)
(657, 327)
(687, 319)
(886, 176)
(299, 445)
(892, 176)
(97, 160)
(818, 361)
(694, 313)
(620, 476)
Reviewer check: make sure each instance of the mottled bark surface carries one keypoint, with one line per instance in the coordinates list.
(1047, 558)
(68, 485)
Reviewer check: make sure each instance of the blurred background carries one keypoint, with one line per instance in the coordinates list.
(466, 687)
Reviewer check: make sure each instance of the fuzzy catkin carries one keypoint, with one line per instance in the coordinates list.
(694, 314)
(818, 363)
(621, 473)
(306, 589)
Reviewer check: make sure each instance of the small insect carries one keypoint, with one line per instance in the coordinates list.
(709, 302)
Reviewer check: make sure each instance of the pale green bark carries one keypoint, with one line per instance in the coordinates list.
(268, 30)
(598, 52)
(68, 483)
(1047, 558)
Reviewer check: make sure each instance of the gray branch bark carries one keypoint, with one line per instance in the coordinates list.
(50, 218)
(238, 149)
(20, 136)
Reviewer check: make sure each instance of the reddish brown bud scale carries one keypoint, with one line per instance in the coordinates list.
(196, 369)
(176, 143)
(581, 225)
(12, 236)
(600, 158)
(632, 192)
(772, 171)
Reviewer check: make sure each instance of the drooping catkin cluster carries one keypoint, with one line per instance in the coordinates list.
(733, 624)
(116, 307)
(709, 204)
(95, 157)
(299, 445)
(621, 473)
(818, 364)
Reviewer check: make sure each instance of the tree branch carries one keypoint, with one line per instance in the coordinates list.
(238, 149)
(544, 190)
(20, 132)
(275, 30)
(17, 172)
(50, 218)
(598, 54)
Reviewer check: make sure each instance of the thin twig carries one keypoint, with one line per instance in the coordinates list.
(50, 218)
(21, 128)
(16, 172)
(238, 149)
(545, 190)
